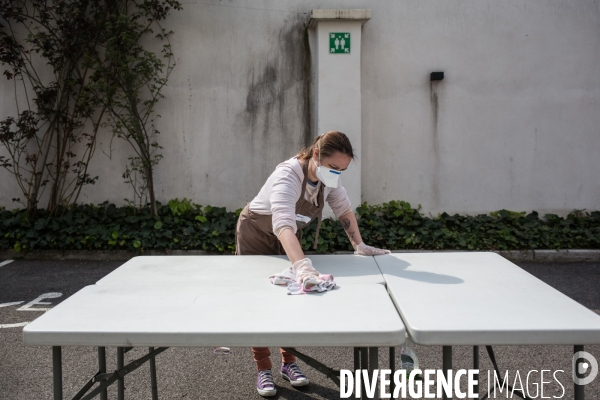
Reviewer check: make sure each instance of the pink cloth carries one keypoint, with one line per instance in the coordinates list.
(287, 278)
(281, 191)
(303, 278)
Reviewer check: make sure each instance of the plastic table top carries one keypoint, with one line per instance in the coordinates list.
(233, 313)
(480, 298)
(254, 270)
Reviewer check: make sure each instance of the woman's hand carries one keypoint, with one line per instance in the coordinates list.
(305, 273)
(363, 250)
(350, 225)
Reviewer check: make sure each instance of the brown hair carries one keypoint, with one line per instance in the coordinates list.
(329, 143)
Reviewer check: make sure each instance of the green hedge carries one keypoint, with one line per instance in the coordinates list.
(394, 225)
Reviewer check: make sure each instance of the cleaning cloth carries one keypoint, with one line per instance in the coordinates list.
(302, 278)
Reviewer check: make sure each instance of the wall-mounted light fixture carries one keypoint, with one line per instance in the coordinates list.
(436, 76)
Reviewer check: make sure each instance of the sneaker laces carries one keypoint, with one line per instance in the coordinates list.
(295, 370)
(266, 378)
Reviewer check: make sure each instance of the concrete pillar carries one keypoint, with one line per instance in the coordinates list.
(337, 95)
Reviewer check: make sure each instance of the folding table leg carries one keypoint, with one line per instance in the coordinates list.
(476, 366)
(153, 376)
(446, 364)
(120, 364)
(356, 363)
(392, 368)
(578, 389)
(364, 364)
(102, 369)
(373, 364)
(57, 372)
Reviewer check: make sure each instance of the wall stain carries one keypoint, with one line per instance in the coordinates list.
(307, 93)
(263, 95)
(277, 120)
(434, 89)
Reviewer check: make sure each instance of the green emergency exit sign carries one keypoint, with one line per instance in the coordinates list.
(339, 43)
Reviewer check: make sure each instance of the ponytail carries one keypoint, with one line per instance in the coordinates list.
(328, 143)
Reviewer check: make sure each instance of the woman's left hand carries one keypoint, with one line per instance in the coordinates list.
(363, 250)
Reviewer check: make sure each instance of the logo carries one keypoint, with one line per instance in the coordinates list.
(352, 382)
(581, 368)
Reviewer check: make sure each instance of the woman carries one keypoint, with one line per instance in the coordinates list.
(289, 201)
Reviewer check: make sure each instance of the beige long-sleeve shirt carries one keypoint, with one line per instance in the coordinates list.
(281, 191)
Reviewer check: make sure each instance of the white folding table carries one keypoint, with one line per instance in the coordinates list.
(446, 299)
(480, 298)
(346, 268)
(207, 301)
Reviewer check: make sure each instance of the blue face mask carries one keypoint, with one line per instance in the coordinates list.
(329, 177)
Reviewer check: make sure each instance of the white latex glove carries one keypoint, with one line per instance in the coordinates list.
(363, 250)
(305, 273)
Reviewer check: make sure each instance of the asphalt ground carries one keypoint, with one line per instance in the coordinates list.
(195, 373)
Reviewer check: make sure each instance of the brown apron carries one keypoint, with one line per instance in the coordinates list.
(254, 232)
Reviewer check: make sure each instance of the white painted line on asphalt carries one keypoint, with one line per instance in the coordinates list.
(14, 325)
(3, 263)
(28, 306)
(14, 303)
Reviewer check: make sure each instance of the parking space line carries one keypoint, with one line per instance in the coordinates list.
(14, 325)
(3, 263)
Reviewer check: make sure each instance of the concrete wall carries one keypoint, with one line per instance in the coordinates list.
(515, 124)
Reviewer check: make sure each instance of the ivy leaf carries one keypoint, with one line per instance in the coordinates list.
(158, 225)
